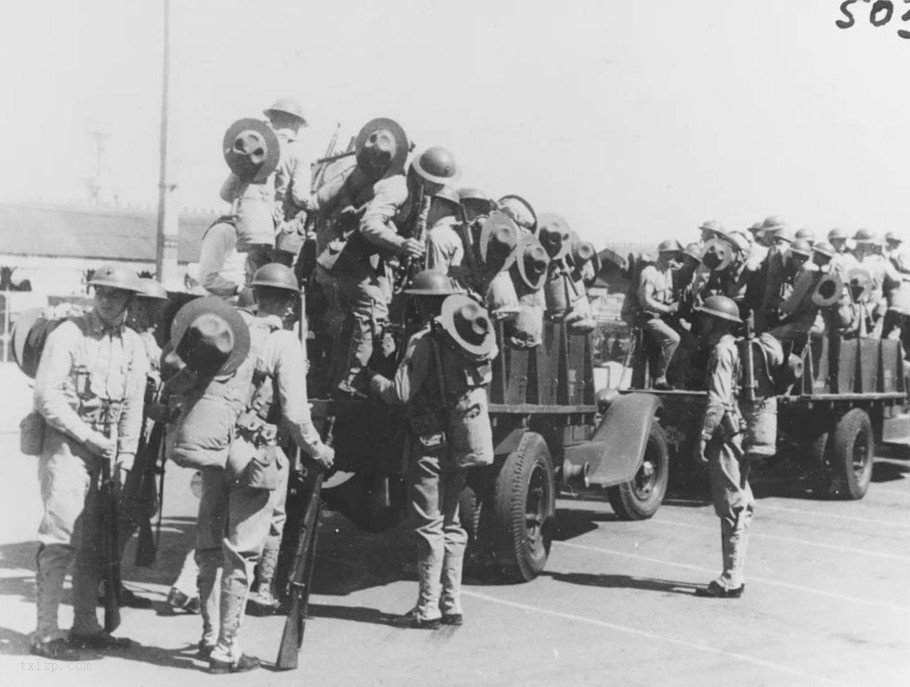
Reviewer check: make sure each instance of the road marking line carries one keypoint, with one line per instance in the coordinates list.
(761, 580)
(834, 516)
(642, 633)
(793, 540)
(761, 505)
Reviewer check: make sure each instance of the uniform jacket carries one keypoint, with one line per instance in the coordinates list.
(104, 364)
(722, 378)
(292, 178)
(222, 269)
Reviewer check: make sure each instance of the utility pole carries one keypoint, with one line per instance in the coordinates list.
(166, 255)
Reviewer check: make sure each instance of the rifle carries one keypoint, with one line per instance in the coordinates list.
(144, 494)
(748, 363)
(409, 268)
(110, 546)
(300, 581)
(307, 257)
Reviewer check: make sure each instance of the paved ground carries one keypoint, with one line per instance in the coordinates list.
(828, 599)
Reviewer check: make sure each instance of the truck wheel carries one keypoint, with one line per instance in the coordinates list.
(524, 503)
(641, 496)
(851, 448)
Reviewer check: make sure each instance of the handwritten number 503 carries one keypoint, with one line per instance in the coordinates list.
(880, 14)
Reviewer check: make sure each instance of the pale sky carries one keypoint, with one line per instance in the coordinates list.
(635, 120)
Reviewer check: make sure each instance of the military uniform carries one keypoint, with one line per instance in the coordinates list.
(90, 381)
(655, 294)
(447, 432)
(235, 518)
(223, 270)
(730, 490)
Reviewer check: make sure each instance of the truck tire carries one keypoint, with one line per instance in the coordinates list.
(641, 496)
(523, 505)
(850, 452)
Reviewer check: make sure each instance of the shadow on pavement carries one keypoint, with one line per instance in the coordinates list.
(570, 523)
(360, 614)
(886, 471)
(624, 582)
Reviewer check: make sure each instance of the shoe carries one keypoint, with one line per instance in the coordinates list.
(132, 600)
(205, 650)
(452, 619)
(415, 622)
(244, 664)
(663, 386)
(57, 649)
(100, 640)
(715, 591)
(181, 602)
(259, 608)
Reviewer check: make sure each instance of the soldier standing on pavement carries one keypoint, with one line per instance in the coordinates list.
(238, 371)
(719, 444)
(442, 380)
(88, 389)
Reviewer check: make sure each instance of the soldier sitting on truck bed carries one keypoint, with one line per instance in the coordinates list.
(656, 304)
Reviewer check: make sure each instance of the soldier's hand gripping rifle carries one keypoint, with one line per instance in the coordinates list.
(302, 572)
(110, 546)
(409, 266)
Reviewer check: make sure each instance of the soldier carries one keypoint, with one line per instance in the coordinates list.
(528, 274)
(498, 251)
(476, 206)
(88, 389)
(806, 235)
(222, 268)
(772, 279)
(441, 380)
(368, 289)
(885, 279)
(655, 299)
(712, 229)
(843, 260)
(239, 373)
(292, 178)
(799, 311)
(445, 248)
(719, 444)
(893, 252)
(253, 152)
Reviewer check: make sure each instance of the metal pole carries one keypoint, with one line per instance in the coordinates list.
(166, 254)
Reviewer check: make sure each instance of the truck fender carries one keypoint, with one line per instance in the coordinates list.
(510, 442)
(616, 449)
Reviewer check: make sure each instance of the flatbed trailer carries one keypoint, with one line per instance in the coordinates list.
(852, 394)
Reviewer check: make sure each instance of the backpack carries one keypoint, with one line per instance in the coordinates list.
(31, 329)
(774, 372)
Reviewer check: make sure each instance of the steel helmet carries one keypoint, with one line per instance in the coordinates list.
(149, 288)
(115, 277)
(824, 248)
(470, 193)
(693, 250)
(773, 221)
(450, 194)
(713, 226)
(721, 307)
(801, 247)
(892, 237)
(287, 106)
(783, 233)
(864, 236)
(669, 246)
(436, 165)
(806, 234)
(276, 276)
(741, 242)
(837, 234)
(432, 283)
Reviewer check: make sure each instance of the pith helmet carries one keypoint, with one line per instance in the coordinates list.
(801, 247)
(276, 276)
(741, 242)
(519, 210)
(721, 307)
(432, 283)
(382, 144)
(468, 324)
(864, 236)
(437, 165)
(152, 289)
(287, 106)
(498, 239)
(209, 337)
(669, 246)
(823, 248)
(838, 234)
(115, 277)
(251, 150)
(554, 235)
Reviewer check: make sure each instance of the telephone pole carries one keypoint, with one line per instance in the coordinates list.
(166, 255)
